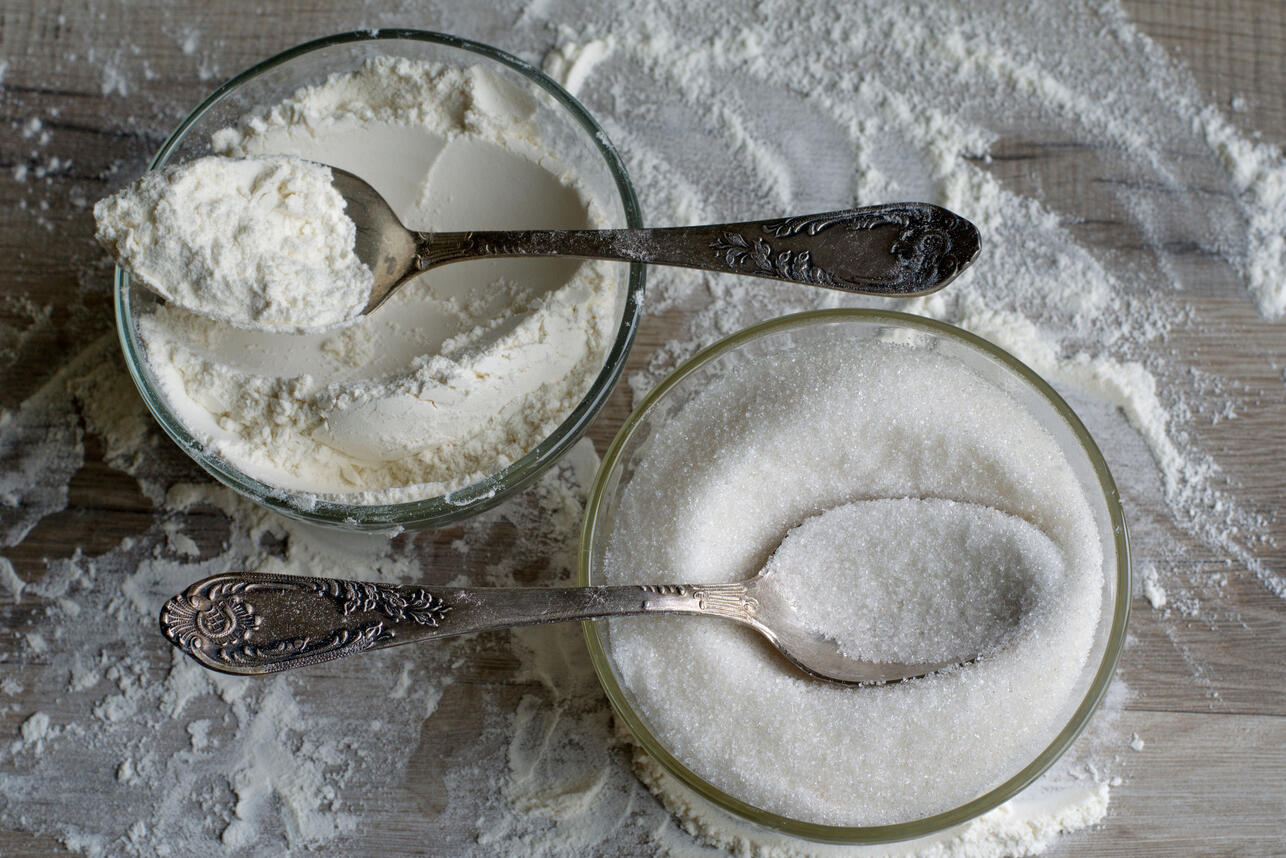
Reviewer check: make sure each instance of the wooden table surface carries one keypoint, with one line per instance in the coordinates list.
(1208, 696)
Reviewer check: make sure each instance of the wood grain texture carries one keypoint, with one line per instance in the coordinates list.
(1211, 778)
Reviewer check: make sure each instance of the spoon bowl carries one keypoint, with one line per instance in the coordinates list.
(385, 246)
(819, 654)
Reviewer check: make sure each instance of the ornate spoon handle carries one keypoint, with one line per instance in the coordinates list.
(898, 249)
(249, 623)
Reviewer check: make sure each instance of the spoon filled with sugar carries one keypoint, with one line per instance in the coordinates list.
(279, 243)
(818, 600)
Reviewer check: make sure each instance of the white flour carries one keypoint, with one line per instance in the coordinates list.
(259, 242)
(464, 370)
(791, 109)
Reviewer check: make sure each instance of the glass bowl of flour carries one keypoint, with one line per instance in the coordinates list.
(762, 432)
(475, 377)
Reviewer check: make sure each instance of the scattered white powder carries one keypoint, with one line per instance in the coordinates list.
(917, 581)
(9, 578)
(114, 78)
(267, 778)
(813, 422)
(1258, 173)
(199, 730)
(461, 372)
(260, 242)
(571, 65)
(178, 541)
(1152, 589)
(35, 729)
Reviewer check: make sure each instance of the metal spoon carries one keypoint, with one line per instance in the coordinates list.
(901, 249)
(252, 624)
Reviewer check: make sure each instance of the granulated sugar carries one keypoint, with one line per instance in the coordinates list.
(814, 424)
(918, 580)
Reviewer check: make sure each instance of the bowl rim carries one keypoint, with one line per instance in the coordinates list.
(467, 500)
(593, 629)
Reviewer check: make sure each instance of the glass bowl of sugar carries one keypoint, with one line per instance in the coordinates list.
(768, 428)
(464, 389)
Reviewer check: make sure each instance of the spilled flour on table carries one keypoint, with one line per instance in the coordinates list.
(506, 739)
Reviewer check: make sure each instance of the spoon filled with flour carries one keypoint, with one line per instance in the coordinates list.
(259, 242)
(277, 243)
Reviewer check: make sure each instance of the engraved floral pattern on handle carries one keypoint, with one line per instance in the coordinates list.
(397, 603)
(215, 621)
(217, 616)
(932, 246)
(758, 254)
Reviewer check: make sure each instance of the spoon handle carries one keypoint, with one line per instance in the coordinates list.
(250, 623)
(899, 249)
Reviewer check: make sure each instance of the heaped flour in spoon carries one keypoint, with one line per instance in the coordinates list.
(262, 242)
(466, 368)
